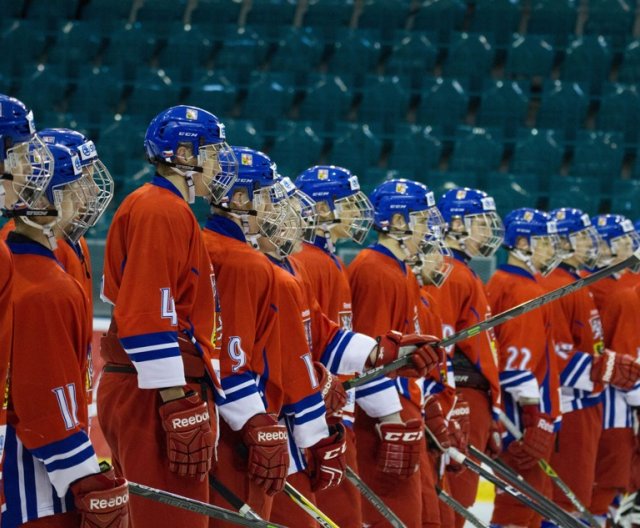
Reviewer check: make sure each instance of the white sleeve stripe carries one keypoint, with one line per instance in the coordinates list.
(309, 409)
(237, 413)
(332, 355)
(68, 454)
(356, 353)
(152, 347)
(231, 390)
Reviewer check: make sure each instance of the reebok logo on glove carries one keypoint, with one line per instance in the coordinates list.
(180, 423)
(108, 504)
(397, 436)
(271, 436)
(545, 425)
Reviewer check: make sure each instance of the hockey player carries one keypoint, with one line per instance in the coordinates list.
(528, 371)
(345, 352)
(617, 304)
(386, 296)
(155, 402)
(52, 475)
(473, 229)
(579, 343)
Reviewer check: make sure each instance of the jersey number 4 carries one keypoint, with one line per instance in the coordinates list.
(168, 306)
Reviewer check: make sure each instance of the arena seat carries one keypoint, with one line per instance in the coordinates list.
(476, 150)
(511, 191)
(327, 16)
(537, 152)
(243, 133)
(214, 92)
(356, 147)
(269, 96)
(413, 56)
(385, 101)
(299, 50)
(598, 155)
(556, 18)
(497, 18)
(416, 149)
(188, 48)
(216, 15)
(441, 181)
(470, 57)
(387, 16)
(611, 19)
(587, 61)
(529, 56)
(441, 17)
(620, 110)
(504, 104)
(355, 52)
(269, 16)
(629, 71)
(564, 106)
(97, 94)
(327, 100)
(625, 198)
(296, 148)
(444, 104)
(569, 191)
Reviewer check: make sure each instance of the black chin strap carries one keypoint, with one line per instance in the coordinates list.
(6, 176)
(180, 166)
(29, 213)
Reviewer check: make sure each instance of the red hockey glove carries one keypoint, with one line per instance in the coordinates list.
(436, 423)
(459, 429)
(268, 458)
(537, 441)
(620, 370)
(399, 449)
(394, 345)
(333, 393)
(494, 442)
(190, 439)
(102, 500)
(327, 460)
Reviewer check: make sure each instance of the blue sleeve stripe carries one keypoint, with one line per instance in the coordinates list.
(60, 447)
(153, 355)
(334, 351)
(514, 378)
(236, 381)
(74, 460)
(311, 414)
(368, 390)
(240, 394)
(149, 340)
(301, 406)
(571, 374)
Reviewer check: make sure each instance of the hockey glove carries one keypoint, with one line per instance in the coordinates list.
(394, 345)
(399, 449)
(268, 454)
(333, 393)
(436, 423)
(619, 370)
(494, 442)
(102, 500)
(189, 435)
(537, 441)
(459, 429)
(327, 460)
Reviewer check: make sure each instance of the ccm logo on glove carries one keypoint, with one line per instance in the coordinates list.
(268, 437)
(393, 436)
(103, 504)
(179, 423)
(334, 453)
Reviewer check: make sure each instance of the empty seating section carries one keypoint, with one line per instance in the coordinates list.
(534, 100)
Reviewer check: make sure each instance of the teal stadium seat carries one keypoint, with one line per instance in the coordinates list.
(413, 56)
(529, 56)
(564, 106)
(356, 147)
(160, 16)
(385, 101)
(243, 50)
(629, 71)
(187, 48)
(568, 191)
(327, 16)
(148, 98)
(504, 105)
(387, 16)
(119, 54)
(442, 181)
(611, 19)
(416, 149)
(476, 150)
(537, 152)
(107, 14)
(27, 42)
(620, 110)
(269, 97)
(356, 52)
(97, 94)
(374, 176)
(76, 48)
(299, 50)
(243, 133)
(441, 17)
(327, 101)
(268, 17)
(511, 191)
(625, 198)
(497, 18)
(444, 104)
(44, 89)
(598, 155)
(213, 16)
(556, 18)
(470, 57)
(15, 8)
(296, 148)
(52, 13)
(587, 61)
(215, 92)
(121, 140)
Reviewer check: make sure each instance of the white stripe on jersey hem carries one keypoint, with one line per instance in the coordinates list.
(356, 353)
(381, 403)
(137, 350)
(239, 387)
(161, 373)
(68, 454)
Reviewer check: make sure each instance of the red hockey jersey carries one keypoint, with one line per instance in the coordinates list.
(6, 333)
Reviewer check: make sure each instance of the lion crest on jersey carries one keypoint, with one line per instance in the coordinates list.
(597, 331)
(346, 320)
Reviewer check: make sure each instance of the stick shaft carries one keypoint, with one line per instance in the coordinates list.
(308, 507)
(376, 501)
(459, 508)
(243, 508)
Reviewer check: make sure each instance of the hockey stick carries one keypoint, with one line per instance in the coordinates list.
(308, 506)
(459, 508)
(516, 479)
(243, 508)
(546, 467)
(197, 506)
(376, 501)
(498, 319)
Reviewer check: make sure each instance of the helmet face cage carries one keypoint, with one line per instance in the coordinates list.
(623, 246)
(100, 191)
(355, 212)
(71, 199)
(219, 157)
(305, 208)
(545, 253)
(272, 211)
(585, 246)
(486, 231)
(434, 257)
(31, 164)
(427, 223)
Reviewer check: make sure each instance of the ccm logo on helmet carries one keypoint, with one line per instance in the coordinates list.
(412, 436)
(104, 504)
(179, 423)
(268, 436)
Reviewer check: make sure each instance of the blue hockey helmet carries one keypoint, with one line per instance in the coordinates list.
(304, 206)
(483, 231)
(580, 238)
(620, 239)
(255, 171)
(340, 189)
(27, 161)
(204, 133)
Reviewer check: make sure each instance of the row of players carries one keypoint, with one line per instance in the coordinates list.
(296, 324)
